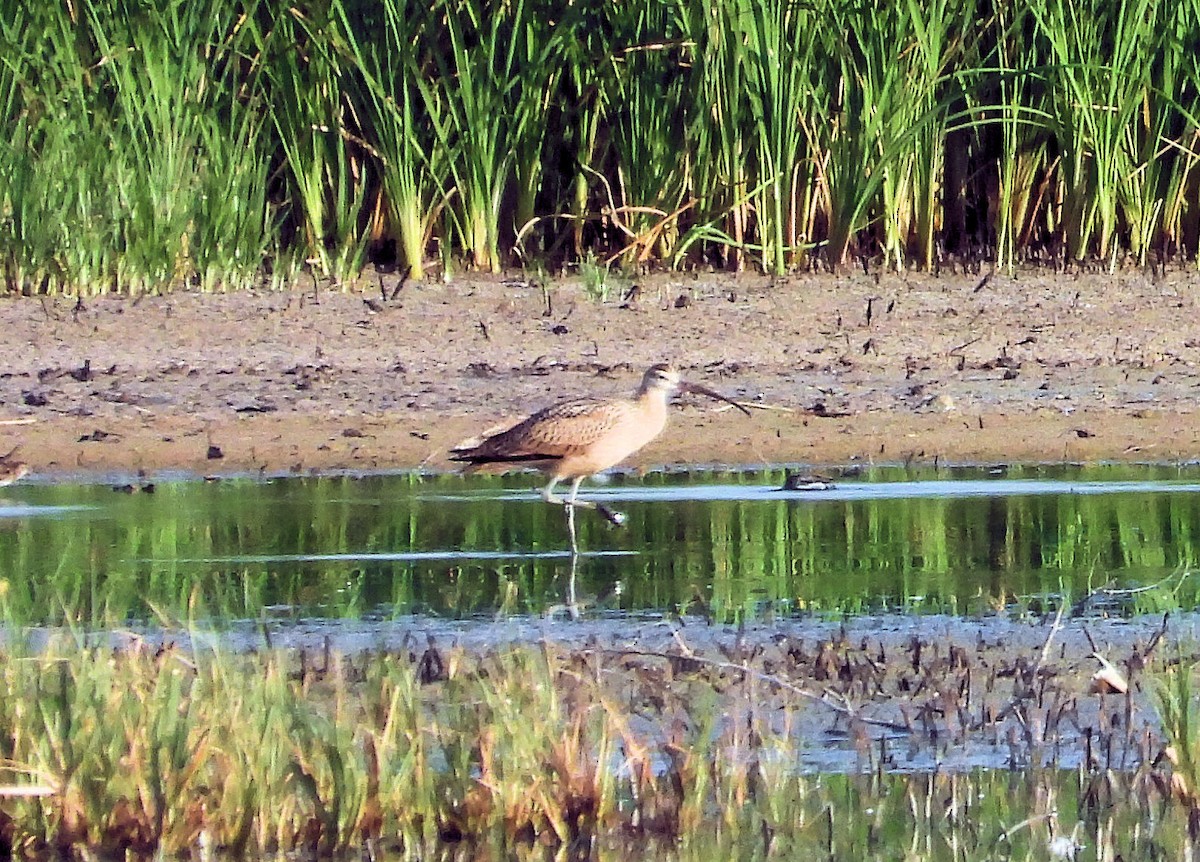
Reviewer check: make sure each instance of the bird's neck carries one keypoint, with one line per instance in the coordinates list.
(654, 402)
(653, 396)
(651, 405)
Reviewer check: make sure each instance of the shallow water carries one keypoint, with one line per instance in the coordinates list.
(392, 565)
(725, 544)
(1047, 814)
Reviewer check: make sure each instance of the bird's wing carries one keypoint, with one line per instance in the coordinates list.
(557, 432)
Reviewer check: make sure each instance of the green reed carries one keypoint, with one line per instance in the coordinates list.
(494, 76)
(131, 163)
(650, 113)
(1020, 116)
(149, 146)
(315, 129)
(1094, 109)
(142, 751)
(777, 46)
(385, 87)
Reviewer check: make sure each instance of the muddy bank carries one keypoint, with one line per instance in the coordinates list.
(1040, 367)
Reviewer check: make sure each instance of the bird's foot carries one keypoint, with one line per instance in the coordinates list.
(617, 519)
(613, 517)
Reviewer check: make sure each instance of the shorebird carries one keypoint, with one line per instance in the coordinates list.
(579, 438)
(11, 469)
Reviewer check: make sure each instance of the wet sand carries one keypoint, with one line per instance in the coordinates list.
(1038, 368)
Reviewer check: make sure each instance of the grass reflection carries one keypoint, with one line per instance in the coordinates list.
(453, 546)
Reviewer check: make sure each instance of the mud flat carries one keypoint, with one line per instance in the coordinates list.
(1039, 367)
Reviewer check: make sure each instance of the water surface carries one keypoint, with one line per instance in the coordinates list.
(725, 544)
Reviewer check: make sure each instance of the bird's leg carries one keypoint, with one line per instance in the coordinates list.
(614, 518)
(569, 504)
(550, 497)
(548, 491)
(572, 502)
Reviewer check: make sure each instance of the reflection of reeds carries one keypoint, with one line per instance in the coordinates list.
(154, 749)
(741, 558)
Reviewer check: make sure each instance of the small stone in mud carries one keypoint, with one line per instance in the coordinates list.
(83, 373)
(214, 453)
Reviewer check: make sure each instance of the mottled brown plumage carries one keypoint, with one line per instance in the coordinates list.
(579, 438)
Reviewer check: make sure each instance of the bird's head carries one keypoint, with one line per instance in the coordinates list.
(664, 378)
(661, 378)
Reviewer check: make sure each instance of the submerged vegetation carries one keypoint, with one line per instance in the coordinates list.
(148, 145)
(580, 753)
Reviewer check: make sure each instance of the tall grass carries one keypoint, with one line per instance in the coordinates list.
(133, 157)
(494, 73)
(763, 67)
(1095, 111)
(325, 167)
(400, 115)
(428, 753)
(148, 146)
(1022, 120)
(650, 114)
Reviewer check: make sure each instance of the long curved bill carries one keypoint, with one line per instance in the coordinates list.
(684, 386)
